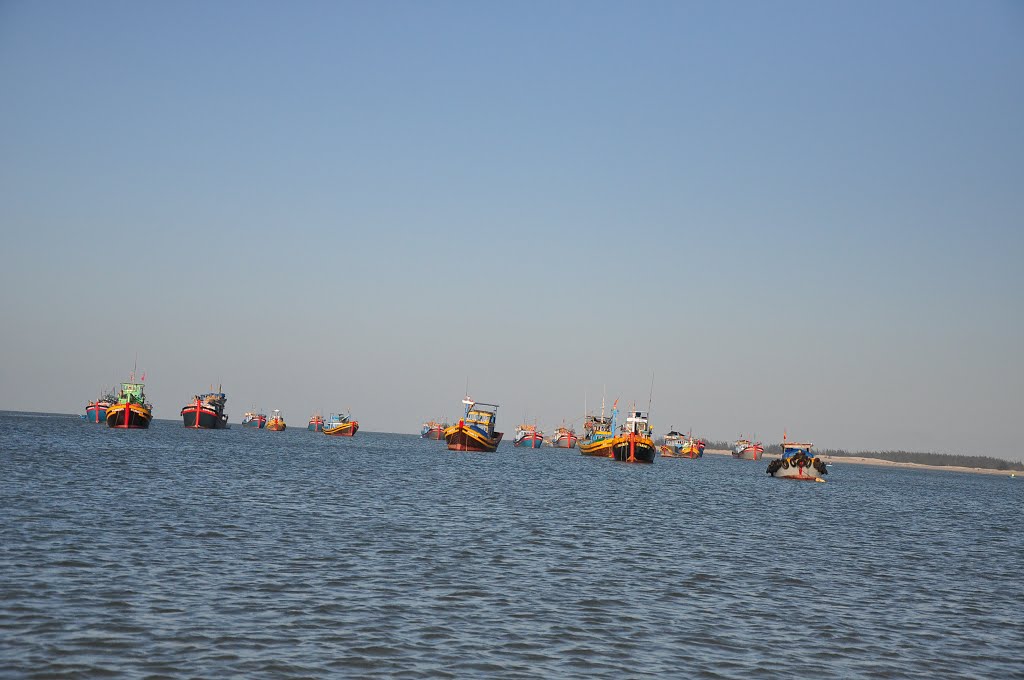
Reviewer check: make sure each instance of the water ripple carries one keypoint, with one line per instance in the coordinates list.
(237, 553)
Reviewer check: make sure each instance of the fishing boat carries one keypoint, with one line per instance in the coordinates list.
(131, 410)
(433, 430)
(565, 438)
(206, 411)
(597, 433)
(528, 437)
(747, 450)
(475, 431)
(673, 444)
(276, 422)
(693, 447)
(798, 462)
(96, 411)
(253, 419)
(316, 423)
(339, 425)
(635, 445)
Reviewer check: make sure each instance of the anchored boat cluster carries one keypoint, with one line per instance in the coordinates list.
(128, 409)
(603, 436)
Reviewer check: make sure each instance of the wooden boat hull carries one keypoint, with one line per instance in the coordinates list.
(693, 451)
(529, 442)
(634, 449)
(435, 433)
(208, 418)
(626, 448)
(129, 416)
(747, 454)
(800, 468)
(276, 426)
(462, 438)
(96, 413)
(315, 427)
(602, 448)
(565, 442)
(256, 424)
(341, 429)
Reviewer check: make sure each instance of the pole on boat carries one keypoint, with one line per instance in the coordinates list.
(650, 399)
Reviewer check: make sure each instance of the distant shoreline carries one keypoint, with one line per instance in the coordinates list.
(878, 462)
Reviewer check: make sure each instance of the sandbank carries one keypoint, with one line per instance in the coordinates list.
(878, 462)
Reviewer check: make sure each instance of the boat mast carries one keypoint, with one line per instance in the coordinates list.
(650, 399)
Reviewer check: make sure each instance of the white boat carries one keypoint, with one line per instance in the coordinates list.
(747, 450)
(798, 463)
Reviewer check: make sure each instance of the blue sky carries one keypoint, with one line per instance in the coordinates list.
(806, 216)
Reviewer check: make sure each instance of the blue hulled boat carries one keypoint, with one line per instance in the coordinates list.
(253, 419)
(96, 411)
(528, 437)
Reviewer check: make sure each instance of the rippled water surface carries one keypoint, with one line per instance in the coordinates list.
(172, 552)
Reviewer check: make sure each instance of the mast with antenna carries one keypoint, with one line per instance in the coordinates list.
(650, 398)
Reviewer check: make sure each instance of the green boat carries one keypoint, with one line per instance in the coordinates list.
(131, 410)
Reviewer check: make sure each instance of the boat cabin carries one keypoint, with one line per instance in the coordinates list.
(793, 448)
(480, 416)
(131, 393)
(597, 427)
(636, 423)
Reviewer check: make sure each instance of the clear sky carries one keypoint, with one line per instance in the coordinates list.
(797, 215)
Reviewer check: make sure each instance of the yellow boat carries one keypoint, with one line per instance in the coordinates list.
(341, 425)
(276, 422)
(693, 448)
(597, 436)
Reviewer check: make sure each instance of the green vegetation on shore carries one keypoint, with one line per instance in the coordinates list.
(921, 458)
(940, 459)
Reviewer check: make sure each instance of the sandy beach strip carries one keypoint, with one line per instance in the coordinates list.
(878, 462)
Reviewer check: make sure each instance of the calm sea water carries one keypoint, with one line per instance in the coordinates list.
(173, 552)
